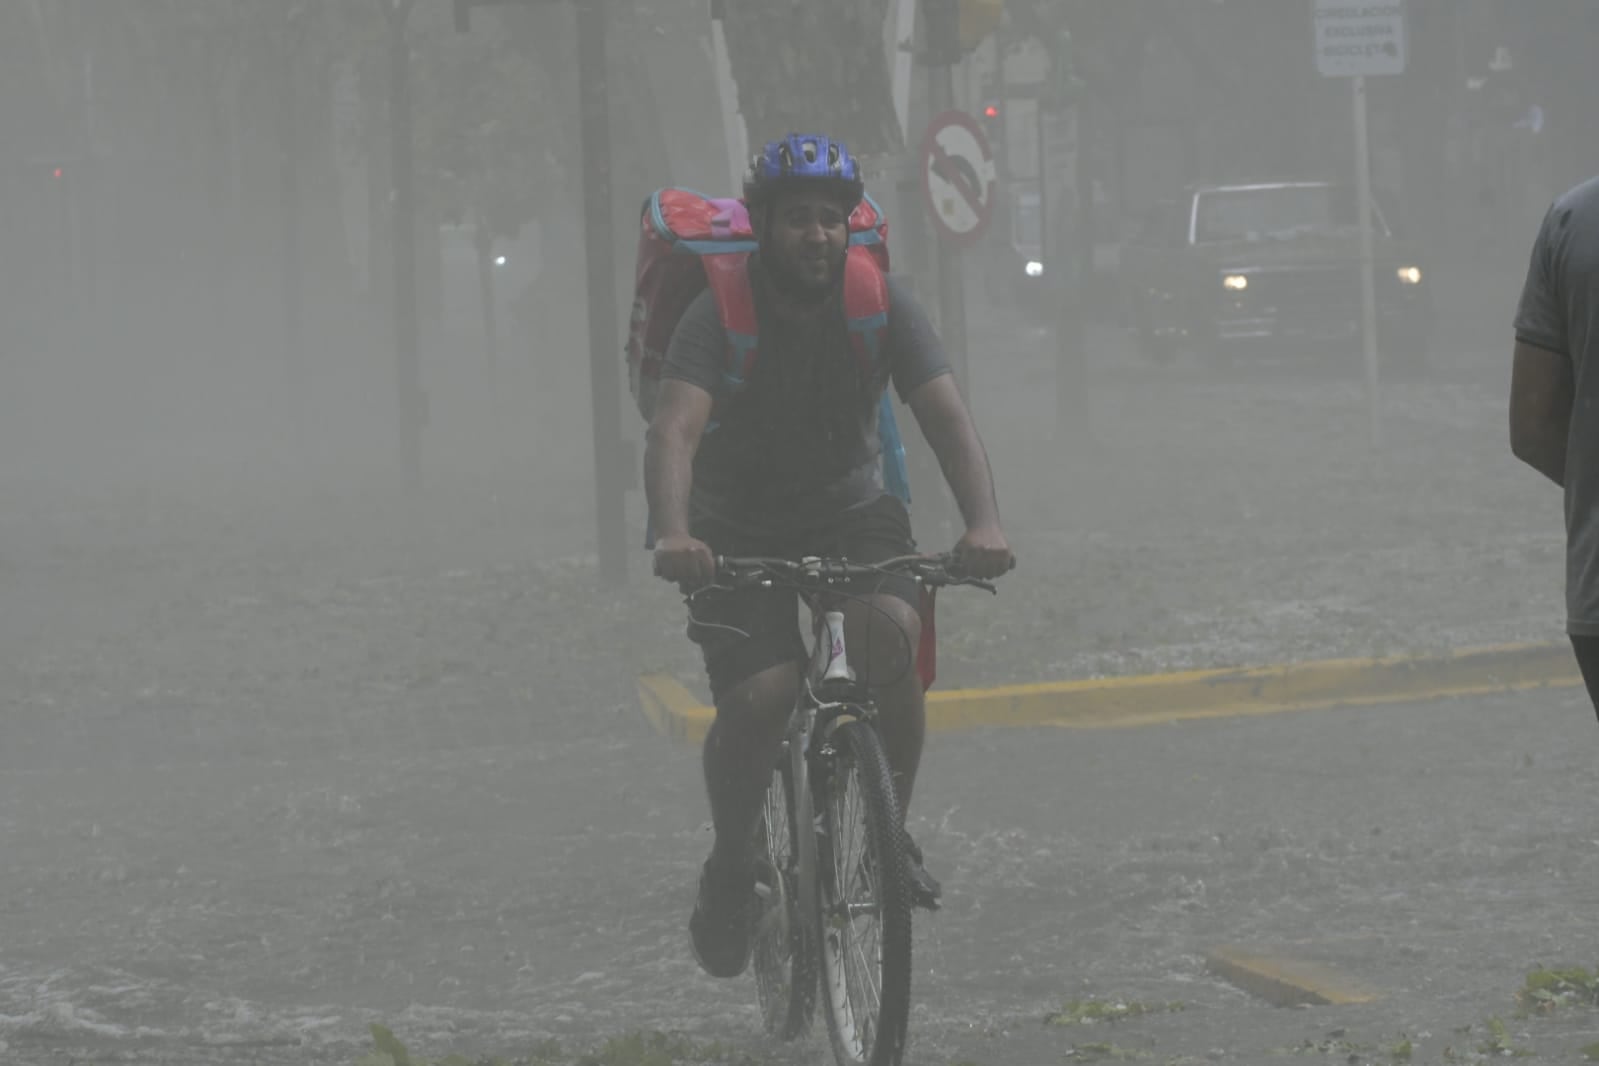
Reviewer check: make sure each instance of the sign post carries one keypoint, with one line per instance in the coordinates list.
(958, 188)
(1368, 280)
(1356, 39)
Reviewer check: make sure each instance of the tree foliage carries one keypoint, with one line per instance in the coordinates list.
(817, 66)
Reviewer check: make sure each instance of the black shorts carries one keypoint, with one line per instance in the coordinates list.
(743, 632)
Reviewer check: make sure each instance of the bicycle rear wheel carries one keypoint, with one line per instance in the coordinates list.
(785, 936)
(865, 905)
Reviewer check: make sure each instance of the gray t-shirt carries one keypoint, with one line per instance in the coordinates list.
(1559, 312)
(765, 475)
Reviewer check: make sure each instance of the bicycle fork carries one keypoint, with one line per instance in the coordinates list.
(832, 691)
(798, 746)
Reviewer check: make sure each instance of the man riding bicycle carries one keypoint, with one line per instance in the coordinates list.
(791, 469)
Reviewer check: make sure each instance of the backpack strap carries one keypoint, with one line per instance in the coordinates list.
(866, 308)
(729, 279)
(727, 273)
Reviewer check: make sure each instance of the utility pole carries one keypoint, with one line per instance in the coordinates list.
(483, 248)
(289, 205)
(611, 454)
(402, 217)
(1076, 273)
(1065, 232)
(605, 372)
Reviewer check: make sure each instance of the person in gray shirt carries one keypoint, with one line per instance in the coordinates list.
(1554, 397)
(791, 469)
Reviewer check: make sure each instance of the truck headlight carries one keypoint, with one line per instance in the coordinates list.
(1410, 275)
(1034, 268)
(1235, 282)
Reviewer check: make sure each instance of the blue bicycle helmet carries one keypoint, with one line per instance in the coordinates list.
(803, 158)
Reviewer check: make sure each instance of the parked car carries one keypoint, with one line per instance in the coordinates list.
(1272, 267)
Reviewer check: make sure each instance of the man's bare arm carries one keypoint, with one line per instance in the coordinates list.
(1540, 409)
(948, 427)
(673, 439)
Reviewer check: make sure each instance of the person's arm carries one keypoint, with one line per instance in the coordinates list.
(689, 377)
(921, 374)
(1541, 379)
(670, 444)
(947, 425)
(1540, 409)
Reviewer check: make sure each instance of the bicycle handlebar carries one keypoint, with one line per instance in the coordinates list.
(934, 571)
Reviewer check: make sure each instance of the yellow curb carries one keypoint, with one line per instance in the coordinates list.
(1150, 699)
(672, 709)
(1283, 981)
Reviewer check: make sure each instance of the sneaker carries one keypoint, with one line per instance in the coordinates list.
(925, 890)
(723, 923)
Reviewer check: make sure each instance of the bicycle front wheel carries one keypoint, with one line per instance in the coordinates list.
(785, 936)
(865, 905)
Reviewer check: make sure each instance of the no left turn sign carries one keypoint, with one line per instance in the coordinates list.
(958, 176)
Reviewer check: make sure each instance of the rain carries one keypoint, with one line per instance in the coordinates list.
(344, 719)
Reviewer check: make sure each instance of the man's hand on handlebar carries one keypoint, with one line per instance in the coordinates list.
(935, 571)
(685, 560)
(984, 553)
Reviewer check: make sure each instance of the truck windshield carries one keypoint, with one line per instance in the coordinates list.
(1275, 212)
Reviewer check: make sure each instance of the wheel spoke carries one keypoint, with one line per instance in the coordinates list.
(782, 961)
(856, 906)
(865, 962)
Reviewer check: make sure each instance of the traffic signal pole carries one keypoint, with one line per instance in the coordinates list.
(1075, 273)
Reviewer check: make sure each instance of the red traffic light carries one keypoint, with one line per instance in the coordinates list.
(991, 111)
(58, 172)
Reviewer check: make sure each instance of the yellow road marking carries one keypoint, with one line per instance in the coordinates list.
(1152, 699)
(1283, 981)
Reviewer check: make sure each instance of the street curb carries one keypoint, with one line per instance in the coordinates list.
(672, 709)
(1150, 699)
(1285, 982)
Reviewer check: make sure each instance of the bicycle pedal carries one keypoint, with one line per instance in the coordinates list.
(766, 875)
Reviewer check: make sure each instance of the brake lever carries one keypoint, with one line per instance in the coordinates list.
(692, 595)
(943, 575)
(986, 586)
(973, 582)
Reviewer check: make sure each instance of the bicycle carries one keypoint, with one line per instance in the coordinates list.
(832, 781)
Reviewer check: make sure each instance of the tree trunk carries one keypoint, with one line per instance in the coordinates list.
(816, 66)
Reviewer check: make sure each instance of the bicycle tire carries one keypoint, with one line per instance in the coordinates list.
(784, 957)
(882, 870)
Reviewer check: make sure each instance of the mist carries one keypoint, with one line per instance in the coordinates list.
(324, 588)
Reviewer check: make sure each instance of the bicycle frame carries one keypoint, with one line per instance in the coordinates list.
(829, 663)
